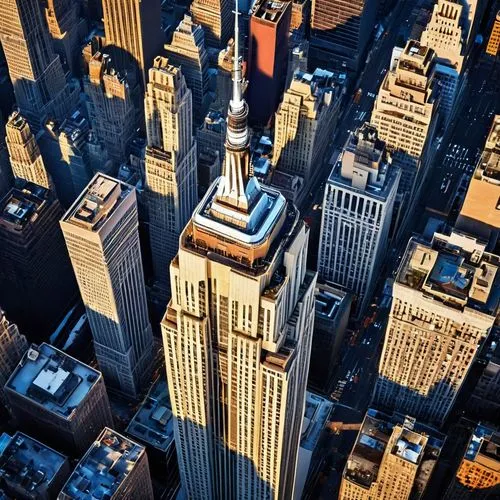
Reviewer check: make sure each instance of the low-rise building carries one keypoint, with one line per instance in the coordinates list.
(113, 468)
(29, 470)
(58, 399)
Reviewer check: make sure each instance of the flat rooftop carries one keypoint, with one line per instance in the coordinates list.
(270, 10)
(28, 464)
(153, 422)
(416, 443)
(97, 202)
(107, 463)
(50, 378)
(328, 301)
(316, 413)
(486, 442)
(451, 272)
(20, 206)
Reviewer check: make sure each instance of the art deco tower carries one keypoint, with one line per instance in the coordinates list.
(170, 164)
(35, 70)
(215, 18)
(101, 232)
(237, 332)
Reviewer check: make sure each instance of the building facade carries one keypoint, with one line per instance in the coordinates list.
(267, 58)
(110, 106)
(444, 304)
(101, 232)
(340, 32)
(25, 157)
(113, 467)
(214, 16)
(187, 51)
(34, 264)
(170, 164)
(305, 121)
(393, 457)
(357, 213)
(404, 113)
(35, 70)
(237, 333)
(12, 347)
(492, 49)
(478, 476)
(445, 35)
(133, 30)
(59, 399)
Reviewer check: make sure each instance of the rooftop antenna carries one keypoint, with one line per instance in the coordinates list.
(236, 100)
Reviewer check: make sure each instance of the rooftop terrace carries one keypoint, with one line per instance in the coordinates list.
(97, 202)
(153, 422)
(21, 205)
(29, 465)
(52, 379)
(105, 466)
(453, 269)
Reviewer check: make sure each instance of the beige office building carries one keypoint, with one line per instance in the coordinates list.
(305, 121)
(170, 164)
(101, 232)
(237, 333)
(133, 27)
(214, 16)
(25, 157)
(492, 49)
(444, 305)
(404, 113)
(444, 34)
(392, 458)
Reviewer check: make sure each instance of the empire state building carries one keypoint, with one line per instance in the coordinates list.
(237, 331)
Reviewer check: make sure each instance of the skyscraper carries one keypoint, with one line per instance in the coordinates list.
(392, 457)
(492, 49)
(478, 476)
(340, 32)
(58, 399)
(444, 304)
(237, 332)
(408, 131)
(304, 123)
(444, 34)
(214, 16)
(25, 158)
(110, 106)
(34, 266)
(187, 50)
(133, 33)
(170, 164)
(35, 70)
(267, 58)
(101, 232)
(12, 347)
(357, 213)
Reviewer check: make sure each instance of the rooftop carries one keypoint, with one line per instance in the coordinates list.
(454, 269)
(52, 379)
(486, 442)
(153, 422)
(22, 205)
(107, 463)
(415, 443)
(328, 301)
(97, 202)
(316, 413)
(270, 10)
(28, 464)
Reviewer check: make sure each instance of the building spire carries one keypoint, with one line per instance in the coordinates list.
(236, 100)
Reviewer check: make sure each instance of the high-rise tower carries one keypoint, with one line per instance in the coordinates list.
(133, 30)
(25, 158)
(215, 18)
(101, 232)
(237, 332)
(170, 164)
(35, 70)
